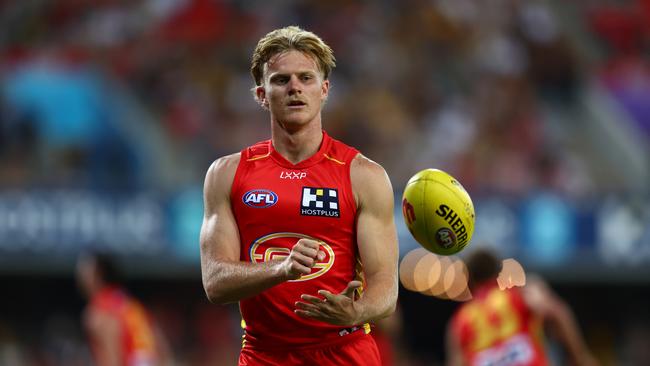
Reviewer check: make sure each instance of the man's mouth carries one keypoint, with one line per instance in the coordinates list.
(296, 103)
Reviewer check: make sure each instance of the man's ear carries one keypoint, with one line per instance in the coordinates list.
(325, 88)
(260, 94)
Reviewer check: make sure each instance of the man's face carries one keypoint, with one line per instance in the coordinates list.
(293, 88)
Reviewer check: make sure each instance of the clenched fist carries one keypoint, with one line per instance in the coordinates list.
(304, 255)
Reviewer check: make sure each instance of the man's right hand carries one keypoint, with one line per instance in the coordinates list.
(304, 255)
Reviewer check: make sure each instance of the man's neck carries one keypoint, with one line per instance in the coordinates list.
(299, 144)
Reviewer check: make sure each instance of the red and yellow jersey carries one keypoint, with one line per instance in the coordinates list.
(276, 203)
(136, 333)
(498, 328)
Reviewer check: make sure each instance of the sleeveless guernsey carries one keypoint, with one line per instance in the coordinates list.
(497, 328)
(275, 204)
(136, 333)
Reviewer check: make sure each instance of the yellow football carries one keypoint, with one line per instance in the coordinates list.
(438, 212)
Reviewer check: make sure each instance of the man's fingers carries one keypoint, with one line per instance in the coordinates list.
(349, 290)
(327, 295)
(304, 255)
(306, 251)
(303, 259)
(333, 308)
(312, 299)
(308, 243)
(309, 248)
(308, 314)
(308, 307)
(297, 268)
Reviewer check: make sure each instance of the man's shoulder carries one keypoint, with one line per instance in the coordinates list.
(221, 173)
(370, 182)
(225, 163)
(364, 168)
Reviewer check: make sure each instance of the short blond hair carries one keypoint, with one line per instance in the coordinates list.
(287, 39)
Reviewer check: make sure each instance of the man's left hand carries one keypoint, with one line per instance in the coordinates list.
(337, 309)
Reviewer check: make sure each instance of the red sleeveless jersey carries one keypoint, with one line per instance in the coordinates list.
(498, 328)
(276, 203)
(136, 333)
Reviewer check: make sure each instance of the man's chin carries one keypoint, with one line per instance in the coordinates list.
(295, 120)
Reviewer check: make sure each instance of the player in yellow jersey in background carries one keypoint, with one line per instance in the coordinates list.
(505, 327)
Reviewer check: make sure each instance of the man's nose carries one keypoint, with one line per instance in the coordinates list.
(295, 86)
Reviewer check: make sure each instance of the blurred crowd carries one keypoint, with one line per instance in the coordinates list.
(103, 93)
(145, 94)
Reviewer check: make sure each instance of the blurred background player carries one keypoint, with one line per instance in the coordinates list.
(120, 329)
(296, 227)
(505, 327)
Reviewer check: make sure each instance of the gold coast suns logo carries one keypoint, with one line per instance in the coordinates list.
(277, 246)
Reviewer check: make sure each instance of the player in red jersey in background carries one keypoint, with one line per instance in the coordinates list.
(299, 228)
(505, 327)
(119, 328)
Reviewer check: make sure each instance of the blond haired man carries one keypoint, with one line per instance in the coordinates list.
(299, 228)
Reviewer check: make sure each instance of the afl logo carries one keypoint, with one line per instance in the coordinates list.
(260, 198)
(446, 238)
(277, 246)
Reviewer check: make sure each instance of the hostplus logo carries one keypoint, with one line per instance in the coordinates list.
(320, 202)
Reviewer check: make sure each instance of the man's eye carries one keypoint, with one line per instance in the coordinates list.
(306, 77)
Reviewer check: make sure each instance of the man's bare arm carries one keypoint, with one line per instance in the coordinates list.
(104, 330)
(454, 355)
(225, 277)
(376, 238)
(557, 313)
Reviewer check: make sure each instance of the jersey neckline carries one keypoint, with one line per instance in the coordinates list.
(312, 160)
